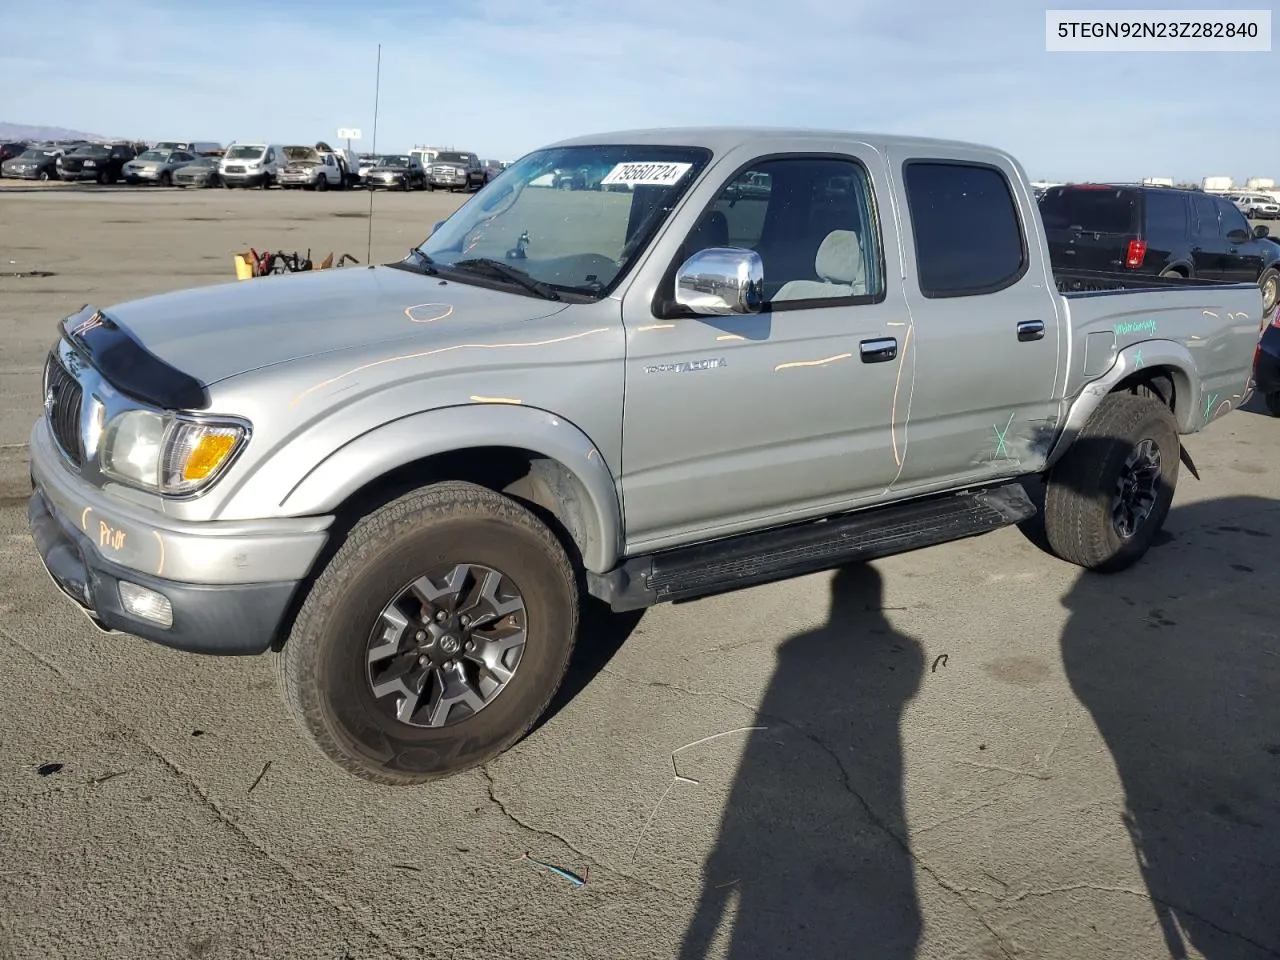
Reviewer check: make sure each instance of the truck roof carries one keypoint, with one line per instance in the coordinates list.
(723, 138)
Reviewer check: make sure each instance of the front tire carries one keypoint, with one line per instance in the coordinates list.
(1269, 284)
(435, 637)
(1109, 495)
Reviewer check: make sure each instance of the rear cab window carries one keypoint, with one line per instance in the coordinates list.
(1093, 209)
(968, 235)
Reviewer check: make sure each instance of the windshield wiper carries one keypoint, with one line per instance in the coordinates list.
(424, 263)
(507, 272)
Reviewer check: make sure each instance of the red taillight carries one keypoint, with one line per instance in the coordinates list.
(1136, 253)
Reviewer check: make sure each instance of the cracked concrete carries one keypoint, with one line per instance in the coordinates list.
(968, 752)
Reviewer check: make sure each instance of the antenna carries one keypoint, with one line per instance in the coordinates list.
(377, 90)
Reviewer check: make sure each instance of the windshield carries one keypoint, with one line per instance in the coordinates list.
(159, 156)
(393, 162)
(578, 240)
(453, 158)
(1092, 209)
(170, 145)
(247, 152)
(299, 154)
(35, 154)
(89, 152)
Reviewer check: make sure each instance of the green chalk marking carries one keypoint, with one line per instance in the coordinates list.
(1135, 326)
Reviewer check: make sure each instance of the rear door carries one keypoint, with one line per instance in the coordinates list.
(987, 344)
(1208, 245)
(1089, 226)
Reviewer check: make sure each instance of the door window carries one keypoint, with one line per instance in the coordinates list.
(1232, 219)
(1206, 212)
(812, 221)
(968, 238)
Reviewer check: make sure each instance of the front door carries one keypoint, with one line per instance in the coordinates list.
(733, 423)
(984, 308)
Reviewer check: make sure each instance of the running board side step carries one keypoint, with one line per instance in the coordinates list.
(781, 553)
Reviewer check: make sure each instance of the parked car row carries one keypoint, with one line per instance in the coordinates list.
(254, 164)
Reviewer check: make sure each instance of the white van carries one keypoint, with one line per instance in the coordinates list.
(251, 164)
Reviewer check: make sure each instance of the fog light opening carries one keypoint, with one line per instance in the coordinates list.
(146, 604)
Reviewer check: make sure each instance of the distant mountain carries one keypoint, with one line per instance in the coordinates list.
(24, 131)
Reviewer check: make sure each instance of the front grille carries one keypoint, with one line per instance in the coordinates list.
(62, 407)
(235, 169)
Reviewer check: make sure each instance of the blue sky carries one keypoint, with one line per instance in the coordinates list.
(502, 77)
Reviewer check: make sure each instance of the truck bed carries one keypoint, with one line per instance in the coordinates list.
(1077, 283)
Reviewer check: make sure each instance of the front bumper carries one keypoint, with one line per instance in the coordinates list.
(82, 174)
(244, 179)
(445, 180)
(229, 584)
(387, 183)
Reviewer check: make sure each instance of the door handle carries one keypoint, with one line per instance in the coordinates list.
(1031, 330)
(879, 350)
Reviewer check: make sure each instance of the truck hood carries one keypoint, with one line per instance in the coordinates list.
(212, 333)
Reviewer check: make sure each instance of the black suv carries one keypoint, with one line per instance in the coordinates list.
(96, 161)
(1157, 230)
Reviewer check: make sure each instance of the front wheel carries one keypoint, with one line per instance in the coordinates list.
(434, 638)
(1269, 283)
(1109, 495)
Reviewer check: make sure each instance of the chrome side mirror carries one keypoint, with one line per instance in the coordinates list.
(721, 281)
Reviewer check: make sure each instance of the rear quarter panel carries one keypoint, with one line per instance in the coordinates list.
(1205, 335)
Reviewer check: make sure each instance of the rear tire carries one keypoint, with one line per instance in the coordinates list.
(1173, 273)
(1109, 495)
(1272, 401)
(364, 640)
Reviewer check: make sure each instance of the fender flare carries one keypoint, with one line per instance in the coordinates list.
(1136, 356)
(574, 466)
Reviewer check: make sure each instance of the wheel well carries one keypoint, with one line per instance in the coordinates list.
(544, 486)
(1167, 384)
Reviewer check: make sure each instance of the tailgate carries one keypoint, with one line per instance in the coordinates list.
(1089, 227)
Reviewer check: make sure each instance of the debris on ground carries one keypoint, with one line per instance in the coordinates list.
(569, 875)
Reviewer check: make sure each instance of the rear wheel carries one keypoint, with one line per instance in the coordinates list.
(1109, 495)
(434, 638)
(1174, 273)
(1273, 403)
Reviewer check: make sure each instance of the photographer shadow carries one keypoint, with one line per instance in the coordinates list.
(812, 848)
(1178, 661)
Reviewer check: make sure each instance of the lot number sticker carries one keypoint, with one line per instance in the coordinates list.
(646, 174)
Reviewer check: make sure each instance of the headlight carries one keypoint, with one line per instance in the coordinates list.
(167, 454)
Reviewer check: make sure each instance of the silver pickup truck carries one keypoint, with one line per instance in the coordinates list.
(748, 355)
